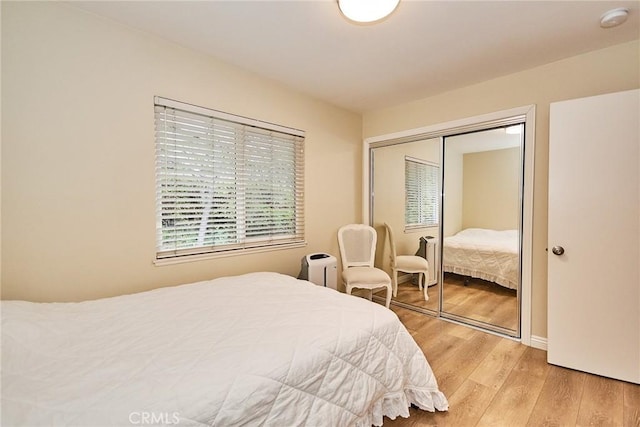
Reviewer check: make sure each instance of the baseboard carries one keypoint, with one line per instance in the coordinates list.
(539, 342)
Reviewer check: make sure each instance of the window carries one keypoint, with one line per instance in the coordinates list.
(421, 193)
(225, 183)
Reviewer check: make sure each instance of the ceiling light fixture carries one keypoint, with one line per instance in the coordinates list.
(367, 11)
(614, 17)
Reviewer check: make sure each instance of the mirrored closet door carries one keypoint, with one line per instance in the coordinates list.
(454, 195)
(482, 204)
(406, 198)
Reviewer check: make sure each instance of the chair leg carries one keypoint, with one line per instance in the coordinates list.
(395, 282)
(426, 288)
(420, 281)
(370, 294)
(388, 301)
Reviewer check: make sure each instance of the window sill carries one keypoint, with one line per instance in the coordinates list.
(224, 254)
(419, 228)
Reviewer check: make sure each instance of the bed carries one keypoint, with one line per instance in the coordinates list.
(256, 349)
(485, 254)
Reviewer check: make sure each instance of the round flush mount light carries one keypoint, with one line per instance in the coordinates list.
(367, 11)
(614, 17)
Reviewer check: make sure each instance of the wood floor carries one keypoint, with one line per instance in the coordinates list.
(480, 300)
(494, 381)
(467, 297)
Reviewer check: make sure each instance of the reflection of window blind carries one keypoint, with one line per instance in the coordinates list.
(225, 182)
(421, 193)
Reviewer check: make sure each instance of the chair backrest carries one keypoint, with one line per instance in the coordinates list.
(357, 245)
(392, 243)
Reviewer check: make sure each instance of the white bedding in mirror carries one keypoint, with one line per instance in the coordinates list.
(485, 254)
(256, 349)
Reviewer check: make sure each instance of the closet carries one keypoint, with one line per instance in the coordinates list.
(466, 176)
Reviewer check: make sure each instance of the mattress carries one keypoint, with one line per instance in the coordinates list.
(256, 349)
(485, 254)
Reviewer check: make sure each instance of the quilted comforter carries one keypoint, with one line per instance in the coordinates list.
(486, 254)
(257, 349)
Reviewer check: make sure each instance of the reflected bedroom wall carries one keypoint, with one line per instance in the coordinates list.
(491, 189)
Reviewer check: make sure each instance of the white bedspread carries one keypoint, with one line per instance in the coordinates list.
(486, 254)
(257, 349)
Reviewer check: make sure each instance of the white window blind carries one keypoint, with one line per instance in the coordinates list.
(421, 193)
(224, 182)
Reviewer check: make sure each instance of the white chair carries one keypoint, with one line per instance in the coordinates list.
(357, 250)
(407, 264)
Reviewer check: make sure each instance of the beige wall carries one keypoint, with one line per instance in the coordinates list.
(491, 192)
(608, 70)
(78, 188)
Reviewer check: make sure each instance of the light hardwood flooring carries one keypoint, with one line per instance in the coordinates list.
(477, 299)
(480, 300)
(409, 293)
(494, 381)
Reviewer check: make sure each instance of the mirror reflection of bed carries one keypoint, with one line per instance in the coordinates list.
(479, 185)
(481, 223)
(481, 275)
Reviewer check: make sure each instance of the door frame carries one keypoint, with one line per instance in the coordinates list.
(465, 125)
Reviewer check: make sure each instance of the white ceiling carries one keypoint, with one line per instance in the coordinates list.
(423, 48)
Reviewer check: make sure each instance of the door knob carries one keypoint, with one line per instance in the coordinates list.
(557, 250)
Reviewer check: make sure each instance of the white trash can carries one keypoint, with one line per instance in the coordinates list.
(321, 269)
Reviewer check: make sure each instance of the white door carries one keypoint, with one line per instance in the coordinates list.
(594, 217)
